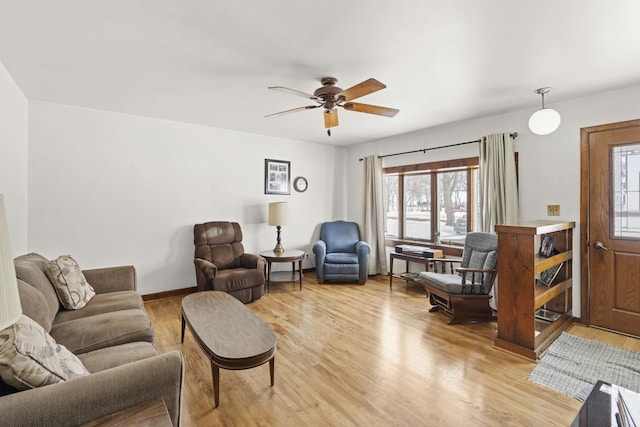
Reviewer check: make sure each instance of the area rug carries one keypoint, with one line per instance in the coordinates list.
(572, 365)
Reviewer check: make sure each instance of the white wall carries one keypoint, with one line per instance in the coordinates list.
(113, 189)
(13, 159)
(549, 166)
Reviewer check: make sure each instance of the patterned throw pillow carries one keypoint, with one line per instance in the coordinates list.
(30, 357)
(72, 288)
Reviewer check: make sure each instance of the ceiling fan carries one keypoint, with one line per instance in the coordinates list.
(330, 96)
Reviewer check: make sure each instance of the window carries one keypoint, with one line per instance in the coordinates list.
(626, 191)
(417, 207)
(431, 201)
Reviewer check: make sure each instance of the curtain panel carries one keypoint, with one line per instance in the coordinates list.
(374, 215)
(498, 188)
(498, 181)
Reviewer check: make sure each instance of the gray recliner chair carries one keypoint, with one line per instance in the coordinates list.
(341, 256)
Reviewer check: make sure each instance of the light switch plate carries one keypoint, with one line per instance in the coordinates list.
(553, 210)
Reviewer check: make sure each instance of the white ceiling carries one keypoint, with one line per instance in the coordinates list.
(210, 62)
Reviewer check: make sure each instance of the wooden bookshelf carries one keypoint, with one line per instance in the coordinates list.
(520, 294)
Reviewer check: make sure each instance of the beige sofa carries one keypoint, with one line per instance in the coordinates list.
(113, 338)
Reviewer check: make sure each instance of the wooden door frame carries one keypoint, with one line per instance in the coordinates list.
(584, 211)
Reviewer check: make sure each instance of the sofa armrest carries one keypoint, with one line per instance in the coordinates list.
(87, 398)
(112, 279)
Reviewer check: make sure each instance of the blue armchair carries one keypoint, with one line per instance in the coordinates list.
(340, 254)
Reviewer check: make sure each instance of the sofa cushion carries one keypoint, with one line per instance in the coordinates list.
(110, 357)
(103, 303)
(30, 357)
(34, 305)
(70, 284)
(31, 268)
(103, 330)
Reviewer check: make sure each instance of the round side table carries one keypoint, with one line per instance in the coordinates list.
(291, 256)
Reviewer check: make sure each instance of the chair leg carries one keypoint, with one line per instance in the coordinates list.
(321, 281)
(362, 281)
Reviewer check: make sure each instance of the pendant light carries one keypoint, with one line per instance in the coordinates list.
(545, 120)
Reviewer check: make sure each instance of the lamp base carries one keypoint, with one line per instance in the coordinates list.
(278, 250)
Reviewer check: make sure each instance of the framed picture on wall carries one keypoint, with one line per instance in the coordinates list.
(277, 176)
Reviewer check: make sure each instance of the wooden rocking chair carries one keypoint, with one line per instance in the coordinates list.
(465, 296)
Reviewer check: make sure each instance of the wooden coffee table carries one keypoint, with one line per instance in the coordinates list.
(230, 334)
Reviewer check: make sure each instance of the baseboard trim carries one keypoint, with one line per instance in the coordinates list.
(187, 291)
(169, 294)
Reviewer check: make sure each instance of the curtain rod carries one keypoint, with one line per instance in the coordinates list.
(424, 150)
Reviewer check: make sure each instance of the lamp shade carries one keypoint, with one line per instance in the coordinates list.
(10, 308)
(544, 121)
(278, 213)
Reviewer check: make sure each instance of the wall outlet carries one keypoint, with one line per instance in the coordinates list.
(553, 210)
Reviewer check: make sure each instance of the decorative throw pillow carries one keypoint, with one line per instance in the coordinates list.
(72, 288)
(30, 357)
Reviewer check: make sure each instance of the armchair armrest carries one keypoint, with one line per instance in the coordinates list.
(362, 248)
(208, 268)
(205, 271)
(252, 261)
(476, 272)
(112, 279)
(87, 398)
(320, 251)
(443, 263)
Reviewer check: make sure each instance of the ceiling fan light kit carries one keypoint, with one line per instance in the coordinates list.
(545, 120)
(330, 96)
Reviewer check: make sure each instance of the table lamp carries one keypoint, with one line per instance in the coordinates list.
(278, 216)
(10, 308)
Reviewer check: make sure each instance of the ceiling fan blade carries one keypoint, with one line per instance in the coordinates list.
(330, 118)
(371, 109)
(293, 110)
(362, 89)
(294, 92)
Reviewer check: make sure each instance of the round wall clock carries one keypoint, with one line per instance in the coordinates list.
(300, 184)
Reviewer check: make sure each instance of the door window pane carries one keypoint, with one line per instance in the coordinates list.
(417, 206)
(390, 195)
(452, 206)
(626, 191)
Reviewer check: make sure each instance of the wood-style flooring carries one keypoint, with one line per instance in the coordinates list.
(351, 355)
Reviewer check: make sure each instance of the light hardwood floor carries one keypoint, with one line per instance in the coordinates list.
(368, 356)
